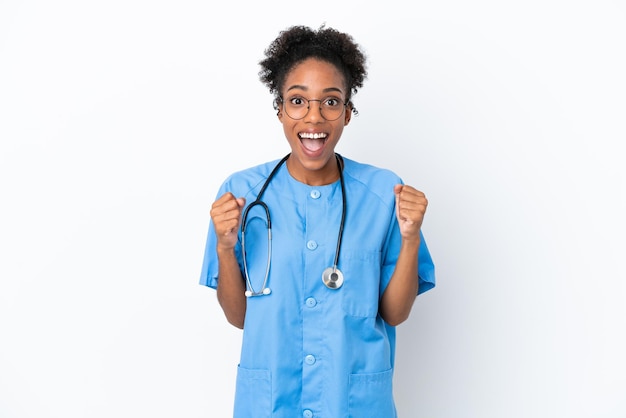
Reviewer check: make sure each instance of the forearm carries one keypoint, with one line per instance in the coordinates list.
(397, 300)
(231, 288)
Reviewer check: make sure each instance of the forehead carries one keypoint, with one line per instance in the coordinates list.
(314, 75)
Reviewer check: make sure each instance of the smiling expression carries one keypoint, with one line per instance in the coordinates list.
(313, 138)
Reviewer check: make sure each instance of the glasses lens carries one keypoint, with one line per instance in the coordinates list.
(298, 107)
(331, 108)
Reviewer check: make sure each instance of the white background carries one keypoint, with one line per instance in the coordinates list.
(119, 119)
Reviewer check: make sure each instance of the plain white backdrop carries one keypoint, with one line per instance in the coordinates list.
(119, 120)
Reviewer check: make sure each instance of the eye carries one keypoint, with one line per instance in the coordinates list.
(297, 101)
(332, 102)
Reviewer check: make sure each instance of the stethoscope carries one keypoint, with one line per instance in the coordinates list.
(332, 277)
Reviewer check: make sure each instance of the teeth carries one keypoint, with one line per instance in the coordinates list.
(313, 135)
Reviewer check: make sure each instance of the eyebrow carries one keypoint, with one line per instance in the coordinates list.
(305, 88)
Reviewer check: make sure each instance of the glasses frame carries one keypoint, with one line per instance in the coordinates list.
(308, 107)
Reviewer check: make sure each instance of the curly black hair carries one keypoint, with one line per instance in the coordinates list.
(298, 43)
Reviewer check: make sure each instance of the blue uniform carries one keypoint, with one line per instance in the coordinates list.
(308, 350)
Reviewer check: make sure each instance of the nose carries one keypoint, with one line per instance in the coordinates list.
(315, 111)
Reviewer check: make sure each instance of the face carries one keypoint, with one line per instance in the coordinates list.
(313, 138)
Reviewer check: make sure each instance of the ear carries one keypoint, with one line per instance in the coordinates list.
(348, 114)
(276, 105)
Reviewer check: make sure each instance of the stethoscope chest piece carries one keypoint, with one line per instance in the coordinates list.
(332, 278)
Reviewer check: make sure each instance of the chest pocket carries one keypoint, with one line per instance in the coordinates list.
(360, 290)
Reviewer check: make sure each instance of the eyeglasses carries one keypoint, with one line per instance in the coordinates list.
(297, 107)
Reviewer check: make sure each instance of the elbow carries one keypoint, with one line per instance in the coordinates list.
(236, 319)
(397, 319)
(235, 314)
(395, 312)
(396, 316)
(237, 323)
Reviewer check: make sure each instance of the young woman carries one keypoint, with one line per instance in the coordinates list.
(315, 256)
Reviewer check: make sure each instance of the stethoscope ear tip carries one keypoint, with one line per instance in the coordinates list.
(266, 291)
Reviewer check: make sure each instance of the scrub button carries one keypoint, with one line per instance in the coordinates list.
(311, 245)
(315, 194)
(311, 302)
(307, 413)
(309, 359)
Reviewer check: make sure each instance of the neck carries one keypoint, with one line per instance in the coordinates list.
(314, 176)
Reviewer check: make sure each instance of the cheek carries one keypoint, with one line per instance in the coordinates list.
(339, 126)
(289, 130)
(337, 132)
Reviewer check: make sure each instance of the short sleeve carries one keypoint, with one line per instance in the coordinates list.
(210, 266)
(208, 276)
(425, 266)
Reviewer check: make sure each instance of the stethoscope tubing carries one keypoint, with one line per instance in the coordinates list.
(343, 212)
(258, 202)
(250, 291)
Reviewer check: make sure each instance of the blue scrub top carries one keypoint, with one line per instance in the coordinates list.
(308, 350)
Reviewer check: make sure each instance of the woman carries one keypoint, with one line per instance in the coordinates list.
(319, 302)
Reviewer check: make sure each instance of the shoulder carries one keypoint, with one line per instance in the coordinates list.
(368, 184)
(370, 176)
(244, 182)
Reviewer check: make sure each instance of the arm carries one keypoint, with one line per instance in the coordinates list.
(231, 288)
(226, 216)
(397, 300)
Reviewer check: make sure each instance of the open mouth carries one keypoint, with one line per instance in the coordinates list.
(313, 141)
